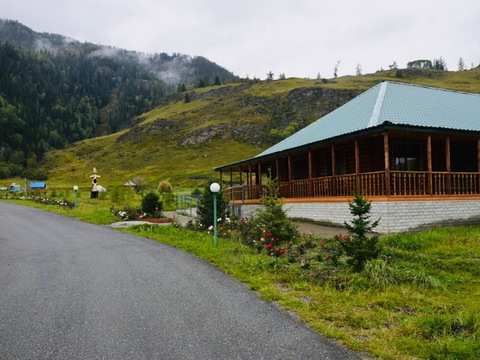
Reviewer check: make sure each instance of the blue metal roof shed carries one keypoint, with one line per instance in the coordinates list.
(38, 185)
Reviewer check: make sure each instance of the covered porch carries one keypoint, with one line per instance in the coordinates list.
(389, 161)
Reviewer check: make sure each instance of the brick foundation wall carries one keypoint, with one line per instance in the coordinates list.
(395, 216)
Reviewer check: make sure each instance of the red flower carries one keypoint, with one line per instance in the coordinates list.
(269, 235)
(323, 243)
(268, 246)
(277, 239)
(328, 257)
(283, 251)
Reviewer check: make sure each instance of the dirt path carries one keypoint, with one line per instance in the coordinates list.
(319, 230)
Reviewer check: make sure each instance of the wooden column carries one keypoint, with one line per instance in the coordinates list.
(478, 155)
(429, 166)
(334, 172)
(387, 163)
(249, 175)
(449, 165)
(334, 163)
(357, 158)
(290, 177)
(310, 174)
(289, 164)
(231, 177)
(358, 187)
(310, 164)
(259, 174)
(277, 166)
(478, 165)
(240, 173)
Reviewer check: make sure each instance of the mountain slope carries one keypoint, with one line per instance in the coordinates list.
(55, 91)
(190, 133)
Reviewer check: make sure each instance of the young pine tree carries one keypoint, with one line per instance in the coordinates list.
(205, 208)
(361, 247)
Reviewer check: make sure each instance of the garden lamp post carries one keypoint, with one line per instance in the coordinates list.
(75, 189)
(215, 188)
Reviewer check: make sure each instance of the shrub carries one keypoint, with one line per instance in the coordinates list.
(275, 231)
(151, 206)
(164, 187)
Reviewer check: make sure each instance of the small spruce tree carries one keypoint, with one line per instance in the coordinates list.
(205, 208)
(359, 247)
(150, 205)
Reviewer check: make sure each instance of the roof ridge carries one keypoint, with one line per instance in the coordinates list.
(378, 104)
(428, 87)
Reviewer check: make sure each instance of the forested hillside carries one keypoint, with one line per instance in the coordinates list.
(192, 132)
(55, 91)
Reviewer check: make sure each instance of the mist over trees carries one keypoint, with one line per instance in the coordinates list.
(55, 91)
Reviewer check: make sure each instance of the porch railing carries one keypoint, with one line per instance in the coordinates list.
(244, 192)
(397, 183)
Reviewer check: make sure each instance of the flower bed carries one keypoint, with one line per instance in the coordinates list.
(158, 220)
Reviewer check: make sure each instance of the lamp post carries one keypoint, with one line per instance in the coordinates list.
(75, 189)
(215, 188)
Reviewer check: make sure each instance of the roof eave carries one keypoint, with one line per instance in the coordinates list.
(367, 131)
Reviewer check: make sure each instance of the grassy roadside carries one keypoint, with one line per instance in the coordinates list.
(433, 315)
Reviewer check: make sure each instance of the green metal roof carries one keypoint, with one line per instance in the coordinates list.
(388, 103)
(393, 103)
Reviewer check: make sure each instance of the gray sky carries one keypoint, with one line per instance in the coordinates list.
(299, 38)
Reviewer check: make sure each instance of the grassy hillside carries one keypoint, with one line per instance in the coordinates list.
(190, 133)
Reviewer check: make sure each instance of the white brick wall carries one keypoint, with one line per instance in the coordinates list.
(395, 216)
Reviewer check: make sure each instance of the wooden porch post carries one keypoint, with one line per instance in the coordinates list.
(357, 167)
(249, 176)
(277, 168)
(449, 165)
(231, 177)
(429, 166)
(310, 173)
(357, 158)
(240, 173)
(478, 165)
(290, 177)
(387, 163)
(310, 164)
(259, 172)
(334, 171)
(289, 163)
(334, 163)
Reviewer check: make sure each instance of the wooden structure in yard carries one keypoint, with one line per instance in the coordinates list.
(394, 141)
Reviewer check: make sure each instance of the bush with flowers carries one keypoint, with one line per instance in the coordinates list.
(272, 231)
(323, 257)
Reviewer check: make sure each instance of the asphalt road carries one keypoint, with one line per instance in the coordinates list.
(72, 290)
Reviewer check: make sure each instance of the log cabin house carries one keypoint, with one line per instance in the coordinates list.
(414, 151)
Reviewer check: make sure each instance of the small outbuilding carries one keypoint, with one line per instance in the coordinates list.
(130, 184)
(15, 188)
(35, 186)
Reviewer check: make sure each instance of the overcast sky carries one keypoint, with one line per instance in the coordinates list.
(299, 38)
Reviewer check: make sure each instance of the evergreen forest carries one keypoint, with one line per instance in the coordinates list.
(55, 91)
